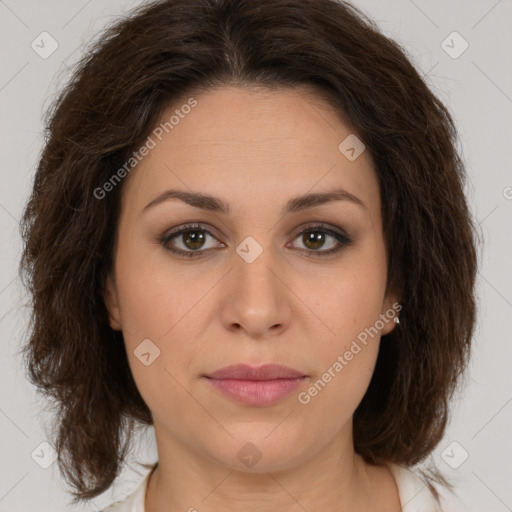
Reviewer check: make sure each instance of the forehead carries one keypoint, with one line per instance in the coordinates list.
(247, 143)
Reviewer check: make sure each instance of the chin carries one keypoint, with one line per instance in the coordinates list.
(259, 453)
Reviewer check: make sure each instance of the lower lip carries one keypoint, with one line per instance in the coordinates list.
(256, 393)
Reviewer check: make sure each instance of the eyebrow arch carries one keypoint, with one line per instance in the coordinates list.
(215, 204)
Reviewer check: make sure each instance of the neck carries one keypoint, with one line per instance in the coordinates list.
(334, 479)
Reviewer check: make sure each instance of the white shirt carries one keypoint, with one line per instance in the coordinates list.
(415, 495)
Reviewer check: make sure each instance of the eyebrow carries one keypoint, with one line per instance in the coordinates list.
(215, 204)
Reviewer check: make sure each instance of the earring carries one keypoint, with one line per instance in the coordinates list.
(396, 320)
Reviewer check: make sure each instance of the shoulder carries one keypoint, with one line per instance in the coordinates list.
(134, 502)
(414, 492)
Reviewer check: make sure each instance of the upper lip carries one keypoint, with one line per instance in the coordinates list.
(263, 372)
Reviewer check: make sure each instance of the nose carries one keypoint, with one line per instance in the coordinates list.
(257, 298)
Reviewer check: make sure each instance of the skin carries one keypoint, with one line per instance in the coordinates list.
(255, 149)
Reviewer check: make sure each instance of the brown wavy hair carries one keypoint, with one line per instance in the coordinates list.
(141, 64)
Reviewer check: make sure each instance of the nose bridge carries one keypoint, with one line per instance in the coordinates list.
(256, 270)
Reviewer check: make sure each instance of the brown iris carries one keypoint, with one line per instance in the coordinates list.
(313, 239)
(196, 238)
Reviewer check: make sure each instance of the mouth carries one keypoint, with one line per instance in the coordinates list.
(256, 386)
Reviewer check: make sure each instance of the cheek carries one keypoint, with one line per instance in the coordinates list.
(153, 298)
(350, 306)
(352, 301)
(158, 339)
(345, 362)
(166, 307)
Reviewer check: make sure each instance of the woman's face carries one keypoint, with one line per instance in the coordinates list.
(246, 287)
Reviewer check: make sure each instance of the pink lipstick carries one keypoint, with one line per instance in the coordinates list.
(256, 386)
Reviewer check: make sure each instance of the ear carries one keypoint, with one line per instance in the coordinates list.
(390, 309)
(112, 303)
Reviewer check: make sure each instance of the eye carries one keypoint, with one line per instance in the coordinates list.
(187, 241)
(191, 240)
(316, 237)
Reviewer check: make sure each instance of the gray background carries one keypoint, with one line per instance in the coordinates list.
(477, 88)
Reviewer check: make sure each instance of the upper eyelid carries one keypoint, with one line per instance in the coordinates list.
(186, 227)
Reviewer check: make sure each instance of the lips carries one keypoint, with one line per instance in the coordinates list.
(256, 386)
(264, 372)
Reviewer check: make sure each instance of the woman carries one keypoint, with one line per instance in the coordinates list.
(248, 230)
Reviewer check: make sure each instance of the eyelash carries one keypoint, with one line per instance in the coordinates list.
(342, 238)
